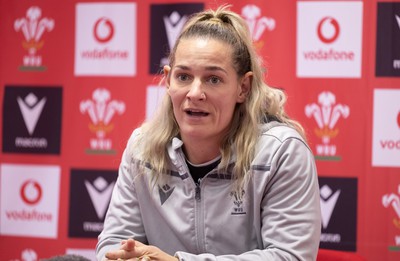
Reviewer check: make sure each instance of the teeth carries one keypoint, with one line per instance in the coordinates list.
(194, 110)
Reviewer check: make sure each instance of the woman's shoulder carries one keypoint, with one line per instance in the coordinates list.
(135, 134)
(281, 137)
(279, 131)
(133, 144)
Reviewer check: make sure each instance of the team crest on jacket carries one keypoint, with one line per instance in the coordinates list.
(237, 208)
(165, 192)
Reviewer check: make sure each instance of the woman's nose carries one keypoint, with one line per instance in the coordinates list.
(196, 91)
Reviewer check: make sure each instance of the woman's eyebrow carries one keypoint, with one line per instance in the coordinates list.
(207, 68)
(216, 68)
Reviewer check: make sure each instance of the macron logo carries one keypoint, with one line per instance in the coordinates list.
(29, 255)
(100, 194)
(31, 110)
(398, 20)
(165, 192)
(328, 202)
(173, 25)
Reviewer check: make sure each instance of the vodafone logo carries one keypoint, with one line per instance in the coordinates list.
(392, 144)
(105, 39)
(31, 192)
(29, 200)
(329, 39)
(398, 119)
(103, 30)
(328, 30)
(386, 129)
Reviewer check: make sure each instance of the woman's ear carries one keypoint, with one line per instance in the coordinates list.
(167, 70)
(245, 87)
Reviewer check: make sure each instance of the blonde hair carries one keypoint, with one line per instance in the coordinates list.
(262, 101)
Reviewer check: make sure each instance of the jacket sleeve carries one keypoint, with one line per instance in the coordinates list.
(290, 209)
(123, 219)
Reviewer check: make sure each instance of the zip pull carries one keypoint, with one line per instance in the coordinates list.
(198, 191)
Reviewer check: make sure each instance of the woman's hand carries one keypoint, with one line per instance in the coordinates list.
(132, 250)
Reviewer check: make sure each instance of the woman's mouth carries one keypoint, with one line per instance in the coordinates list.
(197, 113)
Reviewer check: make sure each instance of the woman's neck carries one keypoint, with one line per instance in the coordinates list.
(201, 152)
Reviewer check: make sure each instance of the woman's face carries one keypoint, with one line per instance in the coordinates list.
(204, 88)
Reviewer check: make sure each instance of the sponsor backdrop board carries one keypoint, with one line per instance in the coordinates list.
(76, 77)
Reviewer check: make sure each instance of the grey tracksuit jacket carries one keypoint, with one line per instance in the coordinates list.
(277, 218)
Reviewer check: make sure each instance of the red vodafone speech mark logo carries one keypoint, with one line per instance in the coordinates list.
(103, 30)
(328, 30)
(398, 119)
(31, 192)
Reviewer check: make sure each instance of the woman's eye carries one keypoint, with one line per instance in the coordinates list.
(182, 77)
(214, 80)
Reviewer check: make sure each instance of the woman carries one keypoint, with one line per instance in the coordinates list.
(221, 172)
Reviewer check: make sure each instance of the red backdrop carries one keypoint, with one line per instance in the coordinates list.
(77, 77)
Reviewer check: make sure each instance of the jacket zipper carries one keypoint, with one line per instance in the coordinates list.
(198, 190)
(199, 219)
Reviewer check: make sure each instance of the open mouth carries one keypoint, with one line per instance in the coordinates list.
(197, 113)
